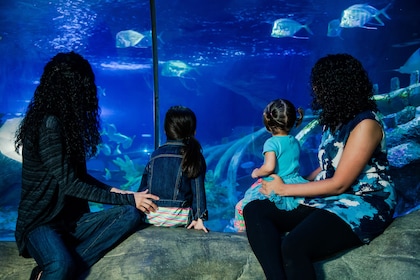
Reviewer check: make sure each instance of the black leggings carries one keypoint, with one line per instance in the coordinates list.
(313, 234)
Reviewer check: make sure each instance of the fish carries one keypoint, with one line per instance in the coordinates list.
(120, 139)
(105, 149)
(101, 91)
(334, 28)
(175, 68)
(263, 87)
(117, 150)
(412, 64)
(180, 69)
(361, 14)
(247, 165)
(147, 41)
(107, 175)
(131, 38)
(284, 27)
(133, 172)
(128, 38)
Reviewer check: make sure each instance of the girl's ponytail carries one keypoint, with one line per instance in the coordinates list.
(193, 162)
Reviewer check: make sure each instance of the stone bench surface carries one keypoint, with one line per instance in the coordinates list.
(162, 253)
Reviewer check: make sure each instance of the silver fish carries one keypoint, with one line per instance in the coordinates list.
(361, 14)
(128, 38)
(284, 27)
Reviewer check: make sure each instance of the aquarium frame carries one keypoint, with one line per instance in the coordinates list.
(156, 118)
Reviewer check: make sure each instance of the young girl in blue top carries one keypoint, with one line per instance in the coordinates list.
(176, 173)
(281, 156)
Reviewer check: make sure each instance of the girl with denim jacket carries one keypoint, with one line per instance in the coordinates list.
(176, 173)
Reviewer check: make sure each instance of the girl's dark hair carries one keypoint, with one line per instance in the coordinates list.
(180, 124)
(67, 90)
(341, 89)
(280, 115)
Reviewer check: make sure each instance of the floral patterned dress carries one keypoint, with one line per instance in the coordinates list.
(368, 205)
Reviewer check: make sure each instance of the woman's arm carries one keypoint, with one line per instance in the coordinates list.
(361, 144)
(51, 153)
(267, 168)
(93, 181)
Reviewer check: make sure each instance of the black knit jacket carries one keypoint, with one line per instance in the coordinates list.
(54, 192)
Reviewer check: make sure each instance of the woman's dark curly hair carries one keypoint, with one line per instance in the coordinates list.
(341, 89)
(67, 90)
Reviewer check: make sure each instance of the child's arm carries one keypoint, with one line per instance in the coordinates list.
(145, 178)
(267, 168)
(199, 202)
(313, 174)
(199, 225)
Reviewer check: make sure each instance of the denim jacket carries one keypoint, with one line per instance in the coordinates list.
(163, 177)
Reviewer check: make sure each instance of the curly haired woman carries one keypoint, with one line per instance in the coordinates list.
(59, 132)
(351, 199)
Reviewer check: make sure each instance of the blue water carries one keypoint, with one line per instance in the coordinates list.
(234, 68)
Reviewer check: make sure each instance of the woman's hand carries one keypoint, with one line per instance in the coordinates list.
(199, 225)
(276, 185)
(144, 201)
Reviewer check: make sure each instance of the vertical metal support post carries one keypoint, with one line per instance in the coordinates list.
(156, 119)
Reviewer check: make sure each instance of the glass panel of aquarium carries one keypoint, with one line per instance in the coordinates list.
(226, 60)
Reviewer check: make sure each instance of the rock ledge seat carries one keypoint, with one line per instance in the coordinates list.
(161, 253)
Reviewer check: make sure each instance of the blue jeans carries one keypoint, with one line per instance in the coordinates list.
(67, 255)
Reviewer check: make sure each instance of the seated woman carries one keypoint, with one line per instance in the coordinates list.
(352, 197)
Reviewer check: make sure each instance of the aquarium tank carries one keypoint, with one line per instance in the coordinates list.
(224, 59)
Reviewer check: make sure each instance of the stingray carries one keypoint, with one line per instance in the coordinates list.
(412, 64)
(176, 68)
(179, 69)
(257, 89)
